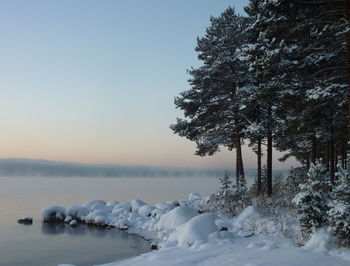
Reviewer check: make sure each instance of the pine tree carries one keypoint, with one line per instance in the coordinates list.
(312, 201)
(212, 105)
(312, 101)
(339, 214)
(226, 183)
(262, 53)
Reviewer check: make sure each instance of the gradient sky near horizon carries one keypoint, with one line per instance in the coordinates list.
(94, 81)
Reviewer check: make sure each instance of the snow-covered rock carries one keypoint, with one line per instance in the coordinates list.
(167, 206)
(76, 212)
(73, 223)
(136, 204)
(112, 203)
(90, 203)
(197, 229)
(121, 207)
(146, 210)
(157, 213)
(176, 217)
(25, 220)
(194, 196)
(53, 213)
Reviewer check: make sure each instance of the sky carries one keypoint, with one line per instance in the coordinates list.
(94, 81)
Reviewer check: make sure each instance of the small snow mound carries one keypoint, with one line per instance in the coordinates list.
(73, 223)
(68, 219)
(176, 217)
(112, 203)
(124, 206)
(136, 204)
(146, 210)
(90, 203)
(320, 242)
(76, 212)
(167, 206)
(248, 213)
(246, 219)
(99, 206)
(53, 213)
(197, 229)
(194, 196)
(157, 213)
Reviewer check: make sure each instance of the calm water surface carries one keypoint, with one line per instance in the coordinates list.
(41, 244)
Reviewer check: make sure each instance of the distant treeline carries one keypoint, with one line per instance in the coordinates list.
(28, 167)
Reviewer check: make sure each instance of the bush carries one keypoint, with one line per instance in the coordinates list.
(230, 199)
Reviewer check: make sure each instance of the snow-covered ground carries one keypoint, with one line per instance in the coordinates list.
(185, 236)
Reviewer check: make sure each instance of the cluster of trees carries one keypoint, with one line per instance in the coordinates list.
(322, 203)
(276, 77)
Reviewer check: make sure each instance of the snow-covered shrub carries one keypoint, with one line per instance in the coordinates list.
(296, 177)
(312, 202)
(225, 182)
(339, 213)
(278, 185)
(271, 205)
(230, 200)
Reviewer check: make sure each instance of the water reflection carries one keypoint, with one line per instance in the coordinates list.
(61, 228)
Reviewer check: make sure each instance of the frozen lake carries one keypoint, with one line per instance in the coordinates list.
(47, 245)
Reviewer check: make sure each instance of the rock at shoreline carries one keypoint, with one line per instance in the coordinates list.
(25, 220)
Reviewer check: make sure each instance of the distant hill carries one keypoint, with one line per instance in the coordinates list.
(46, 168)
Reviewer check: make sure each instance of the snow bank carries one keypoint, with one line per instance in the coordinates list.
(177, 225)
(319, 242)
(279, 253)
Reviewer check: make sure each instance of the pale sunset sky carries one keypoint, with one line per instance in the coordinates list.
(94, 81)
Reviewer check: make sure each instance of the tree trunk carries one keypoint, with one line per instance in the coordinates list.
(239, 162)
(314, 149)
(237, 167)
(328, 156)
(347, 17)
(343, 157)
(259, 167)
(269, 162)
(332, 159)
